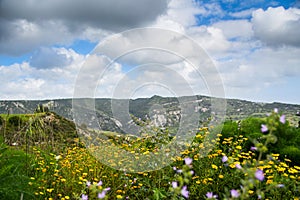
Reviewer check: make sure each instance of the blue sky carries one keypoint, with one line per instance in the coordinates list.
(255, 46)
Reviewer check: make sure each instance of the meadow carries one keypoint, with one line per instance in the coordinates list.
(251, 159)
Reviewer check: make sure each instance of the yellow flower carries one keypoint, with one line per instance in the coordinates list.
(67, 197)
(275, 155)
(269, 181)
(214, 166)
(250, 191)
(221, 176)
(292, 177)
(119, 197)
(50, 190)
(238, 147)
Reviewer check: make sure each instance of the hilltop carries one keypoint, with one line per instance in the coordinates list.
(168, 112)
(37, 128)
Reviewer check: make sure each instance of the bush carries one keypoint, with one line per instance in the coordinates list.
(251, 125)
(1, 121)
(230, 129)
(292, 153)
(15, 121)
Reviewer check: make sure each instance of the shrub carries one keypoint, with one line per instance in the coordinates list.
(292, 153)
(1, 121)
(230, 128)
(15, 121)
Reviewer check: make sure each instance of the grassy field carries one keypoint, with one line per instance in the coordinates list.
(243, 163)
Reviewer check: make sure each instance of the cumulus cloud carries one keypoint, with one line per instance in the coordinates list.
(23, 81)
(242, 14)
(113, 14)
(233, 29)
(264, 67)
(277, 26)
(49, 58)
(252, 54)
(161, 58)
(26, 25)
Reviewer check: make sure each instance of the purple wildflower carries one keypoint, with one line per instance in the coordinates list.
(238, 166)
(224, 159)
(253, 148)
(88, 183)
(264, 128)
(211, 195)
(282, 119)
(174, 184)
(84, 197)
(185, 192)
(107, 189)
(275, 110)
(102, 194)
(234, 193)
(188, 161)
(259, 174)
(192, 172)
(99, 183)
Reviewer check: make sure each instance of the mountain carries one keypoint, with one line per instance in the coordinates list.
(160, 111)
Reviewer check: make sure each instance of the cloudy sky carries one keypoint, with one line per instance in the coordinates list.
(47, 48)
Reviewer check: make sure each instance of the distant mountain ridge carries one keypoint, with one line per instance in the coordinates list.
(162, 110)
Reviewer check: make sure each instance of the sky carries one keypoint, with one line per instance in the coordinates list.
(49, 47)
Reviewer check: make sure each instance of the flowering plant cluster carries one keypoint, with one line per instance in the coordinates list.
(231, 170)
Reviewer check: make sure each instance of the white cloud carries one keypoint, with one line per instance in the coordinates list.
(248, 67)
(241, 29)
(23, 81)
(242, 14)
(30, 24)
(263, 70)
(277, 26)
(210, 38)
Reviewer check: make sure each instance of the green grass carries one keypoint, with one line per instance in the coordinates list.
(62, 171)
(14, 166)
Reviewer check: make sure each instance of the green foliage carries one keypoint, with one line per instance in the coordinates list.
(13, 174)
(251, 125)
(230, 128)
(284, 134)
(16, 121)
(1, 121)
(64, 172)
(292, 153)
(47, 128)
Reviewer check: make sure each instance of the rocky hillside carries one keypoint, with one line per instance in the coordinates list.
(39, 128)
(161, 111)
